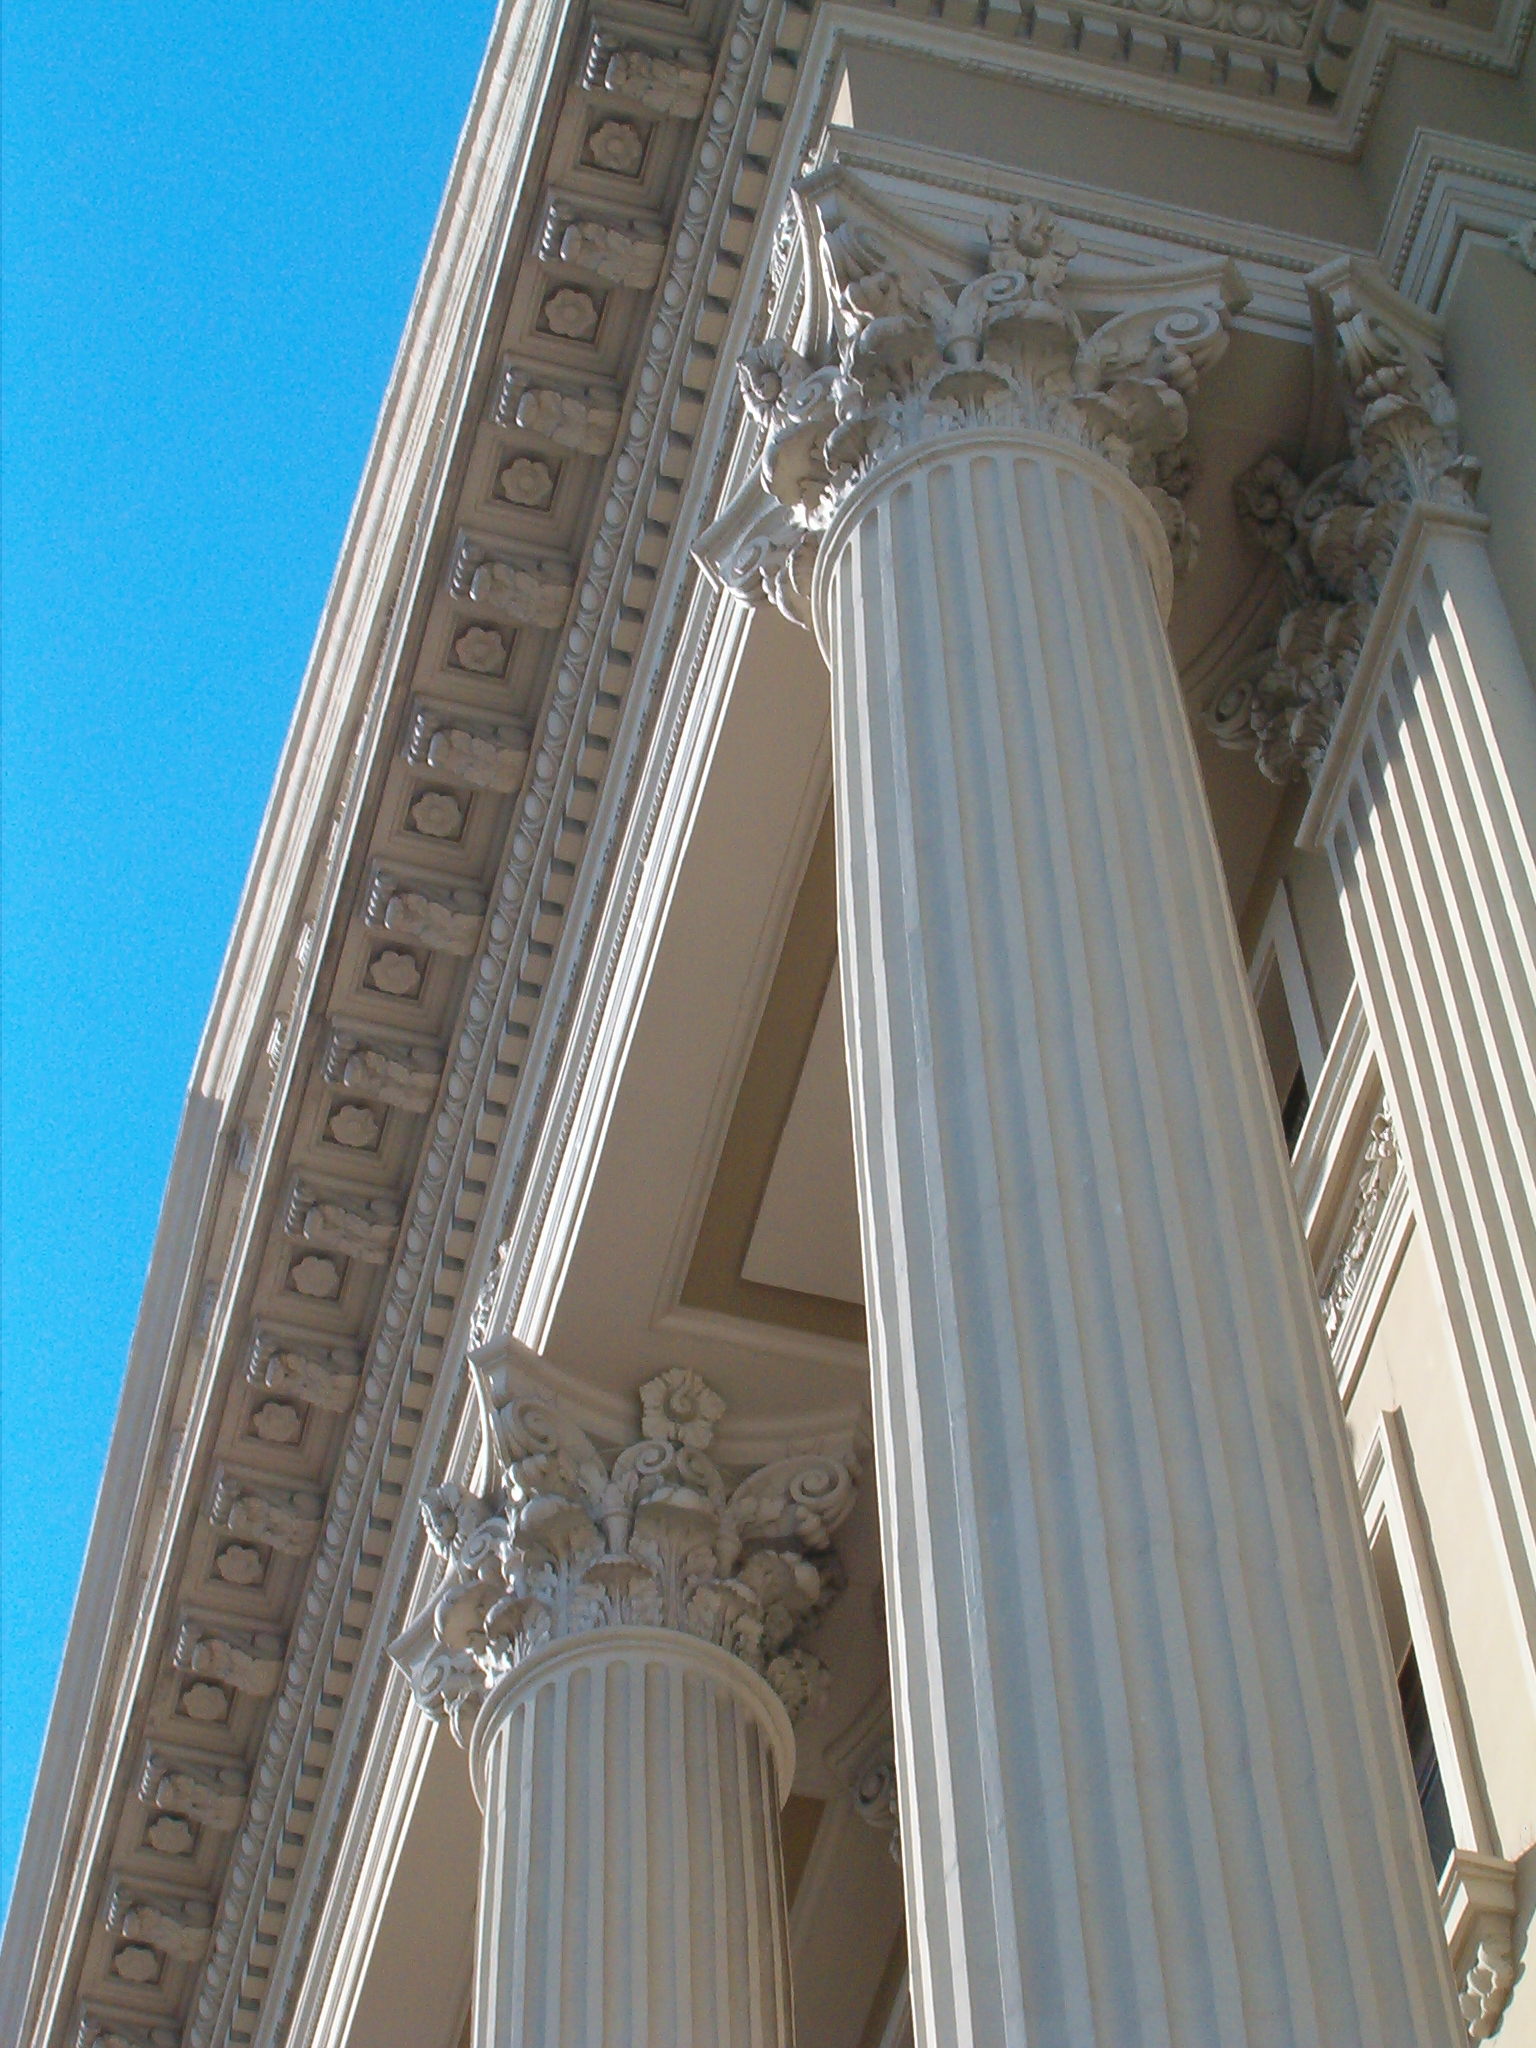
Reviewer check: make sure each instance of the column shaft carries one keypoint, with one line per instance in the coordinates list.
(631, 1890)
(1152, 1789)
(1427, 809)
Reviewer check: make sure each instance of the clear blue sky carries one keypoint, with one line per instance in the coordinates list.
(213, 222)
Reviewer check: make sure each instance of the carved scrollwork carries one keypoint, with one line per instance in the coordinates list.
(565, 1541)
(1336, 537)
(912, 354)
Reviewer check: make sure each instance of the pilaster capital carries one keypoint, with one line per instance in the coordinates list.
(907, 339)
(1337, 536)
(566, 1540)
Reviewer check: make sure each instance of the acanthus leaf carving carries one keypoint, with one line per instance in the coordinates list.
(915, 346)
(863, 1760)
(402, 1076)
(357, 1226)
(1336, 536)
(286, 1521)
(442, 918)
(477, 753)
(325, 1379)
(248, 1660)
(1380, 1166)
(629, 255)
(671, 84)
(179, 1929)
(566, 1541)
(526, 594)
(101, 2030)
(212, 1794)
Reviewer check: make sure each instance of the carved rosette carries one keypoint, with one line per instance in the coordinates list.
(566, 1541)
(1336, 536)
(1105, 362)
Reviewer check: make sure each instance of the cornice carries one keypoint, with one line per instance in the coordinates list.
(219, 1161)
(507, 973)
(1119, 68)
(1452, 189)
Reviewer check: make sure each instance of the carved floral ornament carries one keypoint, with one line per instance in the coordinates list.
(1103, 360)
(1336, 536)
(565, 1541)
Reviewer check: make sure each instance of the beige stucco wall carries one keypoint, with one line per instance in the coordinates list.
(1410, 1366)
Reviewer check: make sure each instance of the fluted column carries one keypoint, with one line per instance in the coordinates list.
(1151, 1787)
(1426, 808)
(618, 1641)
(630, 1881)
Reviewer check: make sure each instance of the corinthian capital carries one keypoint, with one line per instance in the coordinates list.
(909, 336)
(1336, 536)
(565, 1540)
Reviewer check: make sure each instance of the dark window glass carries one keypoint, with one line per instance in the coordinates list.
(1293, 1115)
(1426, 1765)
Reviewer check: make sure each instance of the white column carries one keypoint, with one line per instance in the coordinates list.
(1153, 1790)
(632, 1894)
(618, 1638)
(1426, 807)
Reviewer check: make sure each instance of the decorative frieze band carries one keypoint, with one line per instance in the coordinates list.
(1336, 537)
(565, 1542)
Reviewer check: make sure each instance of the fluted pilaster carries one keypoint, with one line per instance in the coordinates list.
(1152, 1790)
(1426, 807)
(632, 1893)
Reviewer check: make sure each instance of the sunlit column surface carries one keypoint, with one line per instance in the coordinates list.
(1151, 1786)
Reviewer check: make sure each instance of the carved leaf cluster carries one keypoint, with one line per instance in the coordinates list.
(917, 355)
(1379, 1168)
(1336, 538)
(565, 1542)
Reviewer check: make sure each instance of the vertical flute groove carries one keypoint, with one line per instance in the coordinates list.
(1140, 1684)
(631, 1885)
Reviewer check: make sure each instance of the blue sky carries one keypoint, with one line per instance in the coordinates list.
(213, 222)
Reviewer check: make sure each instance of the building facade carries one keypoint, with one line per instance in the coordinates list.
(843, 1344)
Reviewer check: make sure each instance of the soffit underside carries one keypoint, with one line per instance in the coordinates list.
(717, 1225)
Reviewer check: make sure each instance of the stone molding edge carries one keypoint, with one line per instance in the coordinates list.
(1339, 132)
(1451, 189)
(382, 548)
(635, 1646)
(890, 471)
(740, 117)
